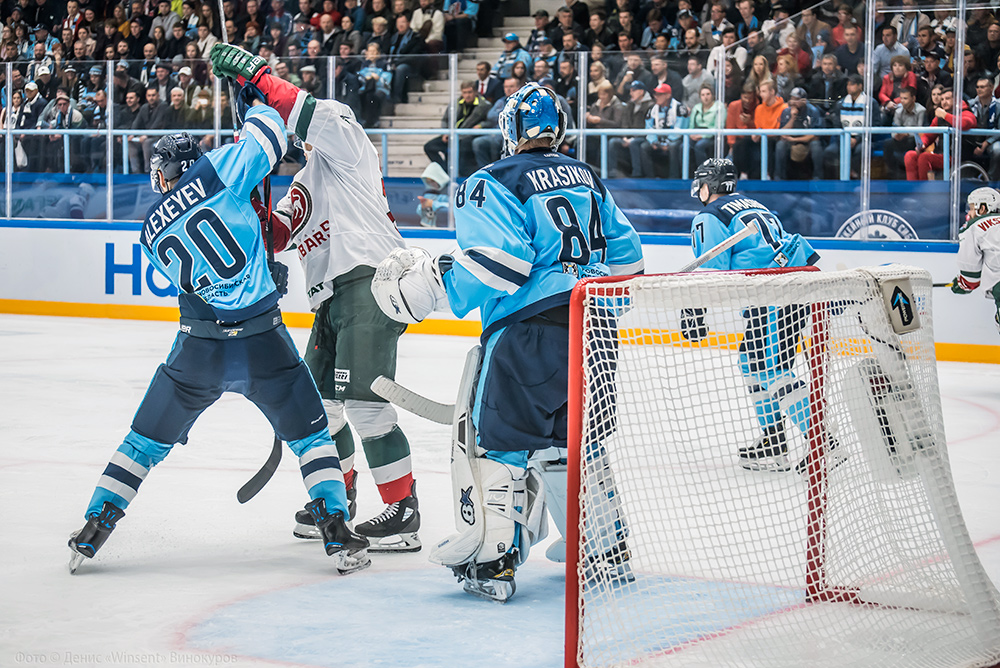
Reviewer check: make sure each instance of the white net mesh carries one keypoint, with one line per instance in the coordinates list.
(700, 541)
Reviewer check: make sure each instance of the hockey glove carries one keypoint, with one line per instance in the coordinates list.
(279, 274)
(245, 99)
(960, 286)
(279, 229)
(237, 63)
(693, 327)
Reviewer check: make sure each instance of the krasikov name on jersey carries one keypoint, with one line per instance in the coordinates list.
(562, 176)
(173, 205)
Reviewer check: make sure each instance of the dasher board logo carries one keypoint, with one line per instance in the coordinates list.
(877, 224)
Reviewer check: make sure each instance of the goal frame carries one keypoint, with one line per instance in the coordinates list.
(815, 355)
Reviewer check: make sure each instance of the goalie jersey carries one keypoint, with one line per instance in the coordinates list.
(979, 255)
(528, 228)
(770, 247)
(204, 235)
(335, 211)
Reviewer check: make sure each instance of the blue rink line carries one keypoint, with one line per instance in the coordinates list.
(423, 619)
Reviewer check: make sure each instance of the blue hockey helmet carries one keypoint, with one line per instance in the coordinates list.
(172, 155)
(533, 112)
(719, 174)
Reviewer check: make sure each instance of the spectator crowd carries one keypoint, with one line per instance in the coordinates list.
(654, 66)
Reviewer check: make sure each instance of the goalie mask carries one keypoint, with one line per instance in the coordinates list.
(719, 174)
(172, 156)
(982, 202)
(533, 112)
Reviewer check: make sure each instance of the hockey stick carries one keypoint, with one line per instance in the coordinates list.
(412, 402)
(719, 248)
(259, 479)
(943, 285)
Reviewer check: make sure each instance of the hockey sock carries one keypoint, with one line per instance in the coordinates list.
(344, 440)
(320, 468)
(389, 459)
(128, 467)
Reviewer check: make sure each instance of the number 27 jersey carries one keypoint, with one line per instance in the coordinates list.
(529, 227)
(768, 248)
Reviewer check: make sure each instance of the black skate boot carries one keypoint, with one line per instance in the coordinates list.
(305, 526)
(769, 452)
(348, 549)
(87, 541)
(613, 566)
(493, 581)
(395, 528)
(835, 456)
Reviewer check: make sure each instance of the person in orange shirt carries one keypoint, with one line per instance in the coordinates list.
(739, 115)
(766, 117)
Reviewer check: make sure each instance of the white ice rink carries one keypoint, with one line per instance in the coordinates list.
(192, 578)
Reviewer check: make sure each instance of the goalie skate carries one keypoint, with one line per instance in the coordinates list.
(612, 567)
(768, 453)
(493, 581)
(395, 528)
(349, 550)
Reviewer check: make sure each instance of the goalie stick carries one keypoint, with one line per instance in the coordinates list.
(719, 248)
(259, 479)
(412, 402)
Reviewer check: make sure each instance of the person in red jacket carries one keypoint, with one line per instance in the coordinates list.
(927, 155)
(899, 77)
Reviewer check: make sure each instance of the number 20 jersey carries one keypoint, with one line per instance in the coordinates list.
(529, 226)
(204, 235)
(770, 247)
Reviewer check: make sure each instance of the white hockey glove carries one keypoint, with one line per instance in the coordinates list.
(407, 285)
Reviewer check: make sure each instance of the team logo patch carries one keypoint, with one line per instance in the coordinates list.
(301, 206)
(342, 375)
(468, 509)
(877, 224)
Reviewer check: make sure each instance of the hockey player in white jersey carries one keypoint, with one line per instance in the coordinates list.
(528, 227)
(337, 215)
(979, 248)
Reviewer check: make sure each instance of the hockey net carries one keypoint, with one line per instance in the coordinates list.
(679, 556)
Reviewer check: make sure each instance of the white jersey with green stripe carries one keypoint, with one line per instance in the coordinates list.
(979, 254)
(336, 207)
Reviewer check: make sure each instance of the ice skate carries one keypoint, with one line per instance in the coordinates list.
(768, 453)
(395, 528)
(613, 566)
(493, 581)
(305, 525)
(349, 550)
(835, 456)
(556, 551)
(85, 543)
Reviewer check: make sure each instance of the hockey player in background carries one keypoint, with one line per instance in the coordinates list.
(979, 247)
(528, 227)
(204, 235)
(767, 352)
(337, 215)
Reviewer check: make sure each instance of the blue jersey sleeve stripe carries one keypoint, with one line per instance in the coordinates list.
(265, 137)
(485, 276)
(626, 269)
(502, 264)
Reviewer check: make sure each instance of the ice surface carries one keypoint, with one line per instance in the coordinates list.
(191, 577)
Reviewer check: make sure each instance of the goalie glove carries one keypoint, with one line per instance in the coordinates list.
(408, 284)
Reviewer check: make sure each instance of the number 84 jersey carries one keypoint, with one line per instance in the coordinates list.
(529, 227)
(770, 247)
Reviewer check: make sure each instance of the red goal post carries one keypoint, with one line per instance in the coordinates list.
(657, 351)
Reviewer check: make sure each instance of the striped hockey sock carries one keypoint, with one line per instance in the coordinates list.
(389, 459)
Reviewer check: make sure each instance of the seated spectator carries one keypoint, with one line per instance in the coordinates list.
(198, 65)
(175, 115)
(908, 22)
(626, 24)
(566, 83)
(486, 83)
(820, 49)
(848, 112)
(547, 53)
(767, 116)
(845, 20)
(206, 40)
(512, 52)
(659, 148)
(927, 43)
(747, 21)
(542, 70)
(734, 82)
(565, 25)
(605, 113)
(539, 32)
(470, 113)
(928, 155)
(34, 104)
(989, 51)
(486, 148)
(663, 74)
(801, 57)
(931, 77)
(786, 76)
(598, 75)
(810, 26)
(828, 84)
(634, 71)
(376, 86)
(570, 47)
(348, 34)
(728, 49)
(713, 29)
(428, 21)
(598, 54)
(599, 31)
(900, 77)
(740, 116)
(346, 85)
(693, 82)
(201, 114)
(459, 23)
(799, 114)
(405, 56)
(633, 117)
(852, 51)
(692, 48)
(707, 114)
(886, 51)
(777, 29)
(380, 35)
(149, 117)
(654, 28)
(378, 9)
(760, 72)
(65, 117)
(909, 114)
(986, 109)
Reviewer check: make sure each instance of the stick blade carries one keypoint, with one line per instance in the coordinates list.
(261, 477)
(412, 402)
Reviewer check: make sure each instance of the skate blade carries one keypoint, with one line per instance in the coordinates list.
(401, 542)
(351, 563)
(834, 458)
(306, 532)
(498, 591)
(776, 464)
(75, 560)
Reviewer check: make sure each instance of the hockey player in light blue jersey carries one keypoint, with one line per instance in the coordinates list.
(204, 235)
(528, 227)
(767, 352)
